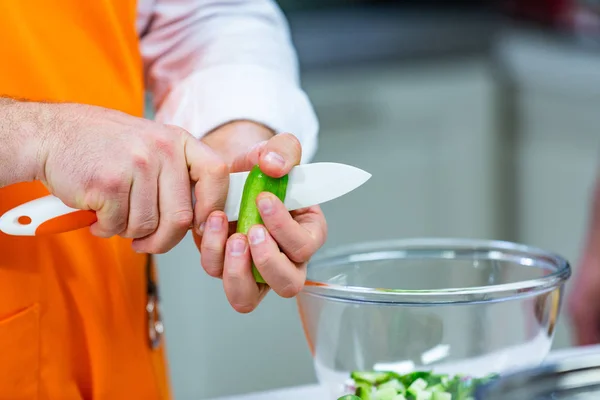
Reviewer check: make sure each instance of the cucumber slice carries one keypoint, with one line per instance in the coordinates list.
(364, 391)
(385, 394)
(417, 386)
(424, 395)
(393, 383)
(372, 378)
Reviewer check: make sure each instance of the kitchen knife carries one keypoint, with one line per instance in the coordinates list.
(308, 185)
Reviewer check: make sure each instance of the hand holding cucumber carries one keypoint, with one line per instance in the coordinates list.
(268, 244)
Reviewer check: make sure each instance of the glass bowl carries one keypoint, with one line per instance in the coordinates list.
(450, 306)
(574, 378)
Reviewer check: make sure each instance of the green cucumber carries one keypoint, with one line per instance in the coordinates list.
(363, 390)
(441, 396)
(349, 397)
(393, 383)
(256, 183)
(372, 378)
(387, 393)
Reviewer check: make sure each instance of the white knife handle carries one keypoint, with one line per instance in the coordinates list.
(46, 215)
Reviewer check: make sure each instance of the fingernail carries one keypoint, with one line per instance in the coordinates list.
(256, 235)
(215, 223)
(265, 205)
(238, 247)
(201, 228)
(275, 158)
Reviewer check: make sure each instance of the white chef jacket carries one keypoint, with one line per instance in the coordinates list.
(209, 62)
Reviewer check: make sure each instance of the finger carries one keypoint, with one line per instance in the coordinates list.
(174, 204)
(111, 204)
(280, 154)
(143, 200)
(249, 159)
(212, 246)
(242, 291)
(211, 175)
(284, 277)
(298, 241)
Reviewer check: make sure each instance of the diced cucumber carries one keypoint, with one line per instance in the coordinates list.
(424, 395)
(399, 397)
(436, 388)
(441, 396)
(385, 394)
(419, 384)
(393, 383)
(363, 390)
(417, 387)
(373, 378)
(349, 397)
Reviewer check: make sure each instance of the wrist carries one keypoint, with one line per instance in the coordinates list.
(236, 138)
(21, 134)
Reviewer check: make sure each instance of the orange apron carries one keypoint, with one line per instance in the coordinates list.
(72, 307)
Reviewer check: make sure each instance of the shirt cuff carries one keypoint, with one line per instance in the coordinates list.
(214, 96)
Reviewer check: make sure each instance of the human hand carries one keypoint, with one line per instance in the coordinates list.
(135, 173)
(282, 246)
(584, 299)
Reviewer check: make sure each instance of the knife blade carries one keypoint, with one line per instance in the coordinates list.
(308, 185)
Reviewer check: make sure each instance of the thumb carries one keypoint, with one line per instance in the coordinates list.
(246, 161)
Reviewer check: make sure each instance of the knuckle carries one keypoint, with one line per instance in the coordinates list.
(290, 289)
(144, 228)
(276, 225)
(113, 184)
(164, 145)
(291, 143)
(210, 265)
(218, 169)
(181, 219)
(141, 160)
(300, 254)
(262, 260)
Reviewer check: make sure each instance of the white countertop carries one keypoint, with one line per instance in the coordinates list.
(314, 392)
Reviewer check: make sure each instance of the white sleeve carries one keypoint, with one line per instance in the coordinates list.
(209, 62)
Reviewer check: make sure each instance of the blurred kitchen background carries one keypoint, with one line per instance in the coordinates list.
(477, 119)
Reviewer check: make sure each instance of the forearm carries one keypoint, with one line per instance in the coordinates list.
(21, 124)
(209, 63)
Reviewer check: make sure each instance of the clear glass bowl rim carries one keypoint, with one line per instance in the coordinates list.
(474, 294)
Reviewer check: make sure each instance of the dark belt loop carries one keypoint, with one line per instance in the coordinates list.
(155, 324)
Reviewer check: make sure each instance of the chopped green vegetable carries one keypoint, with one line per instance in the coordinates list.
(395, 384)
(363, 390)
(372, 378)
(349, 397)
(418, 385)
(387, 393)
(256, 183)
